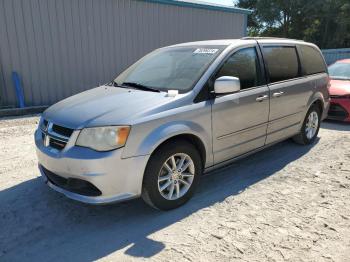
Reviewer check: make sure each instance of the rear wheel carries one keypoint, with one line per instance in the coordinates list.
(172, 175)
(310, 128)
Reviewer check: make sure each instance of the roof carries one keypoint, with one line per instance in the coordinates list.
(269, 38)
(219, 42)
(202, 5)
(226, 42)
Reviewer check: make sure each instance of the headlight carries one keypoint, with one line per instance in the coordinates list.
(103, 138)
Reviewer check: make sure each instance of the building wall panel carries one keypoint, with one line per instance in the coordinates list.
(60, 48)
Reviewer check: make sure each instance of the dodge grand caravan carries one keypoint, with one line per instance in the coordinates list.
(178, 112)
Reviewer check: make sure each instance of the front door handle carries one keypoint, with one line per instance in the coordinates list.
(262, 98)
(278, 94)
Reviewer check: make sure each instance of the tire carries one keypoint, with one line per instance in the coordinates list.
(304, 137)
(156, 193)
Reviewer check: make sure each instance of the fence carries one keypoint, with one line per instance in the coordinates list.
(332, 55)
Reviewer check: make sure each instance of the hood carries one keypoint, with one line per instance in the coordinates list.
(105, 105)
(339, 87)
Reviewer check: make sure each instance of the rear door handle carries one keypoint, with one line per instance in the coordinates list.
(262, 98)
(278, 94)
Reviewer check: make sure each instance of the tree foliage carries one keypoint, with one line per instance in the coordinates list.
(323, 22)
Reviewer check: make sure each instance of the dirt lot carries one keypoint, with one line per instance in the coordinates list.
(287, 203)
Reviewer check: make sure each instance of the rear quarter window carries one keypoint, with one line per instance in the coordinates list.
(312, 61)
(282, 62)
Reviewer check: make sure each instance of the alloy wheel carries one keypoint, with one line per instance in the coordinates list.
(311, 125)
(176, 176)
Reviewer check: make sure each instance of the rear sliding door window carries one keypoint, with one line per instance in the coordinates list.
(282, 62)
(312, 61)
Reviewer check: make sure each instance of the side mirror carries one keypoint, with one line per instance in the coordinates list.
(227, 84)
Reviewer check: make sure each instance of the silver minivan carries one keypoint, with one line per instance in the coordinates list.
(179, 112)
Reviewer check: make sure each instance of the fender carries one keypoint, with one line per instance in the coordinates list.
(171, 129)
(315, 97)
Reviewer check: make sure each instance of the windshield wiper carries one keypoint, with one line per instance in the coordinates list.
(139, 86)
(114, 83)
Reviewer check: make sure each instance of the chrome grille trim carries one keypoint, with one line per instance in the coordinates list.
(50, 136)
(55, 135)
(43, 125)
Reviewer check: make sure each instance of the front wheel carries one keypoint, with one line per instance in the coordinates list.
(310, 128)
(172, 175)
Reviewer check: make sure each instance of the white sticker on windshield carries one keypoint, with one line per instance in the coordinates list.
(205, 51)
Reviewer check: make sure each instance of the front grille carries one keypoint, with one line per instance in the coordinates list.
(44, 124)
(337, 112)
(74, 185)
(64, 131)
(57, 143)
(54, 135)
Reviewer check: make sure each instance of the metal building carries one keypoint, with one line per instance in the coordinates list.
(62, 47)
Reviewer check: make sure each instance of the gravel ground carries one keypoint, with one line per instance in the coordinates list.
(287, 203)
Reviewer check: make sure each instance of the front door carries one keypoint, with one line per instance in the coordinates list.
(239, 120)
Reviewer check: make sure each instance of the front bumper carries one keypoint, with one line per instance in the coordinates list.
(116, 178)
(339, 109)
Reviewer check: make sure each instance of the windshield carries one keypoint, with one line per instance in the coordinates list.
(173, 68)
(340, 71)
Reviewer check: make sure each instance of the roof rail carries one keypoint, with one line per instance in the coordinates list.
(267, 37)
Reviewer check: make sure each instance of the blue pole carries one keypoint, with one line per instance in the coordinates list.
(18, 89)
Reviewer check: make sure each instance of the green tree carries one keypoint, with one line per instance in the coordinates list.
(324, 22)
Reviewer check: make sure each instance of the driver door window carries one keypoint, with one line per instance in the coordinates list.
(243, 64)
